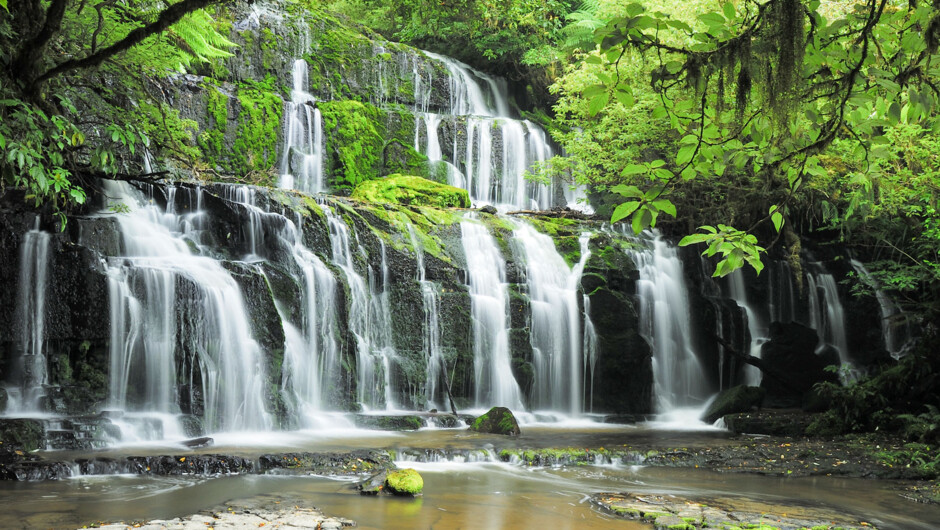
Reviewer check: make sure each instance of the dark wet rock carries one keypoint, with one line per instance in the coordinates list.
(776, 423)
(692, 513)
(498, 420)
(23, 434)
(191, 425)
(373, 485)
(739, 398)
(792, 365)
(490, 209)
(625, 419)
(389, 423)
(352, 463)
(196, 443)
(449, 421)
(3, 400)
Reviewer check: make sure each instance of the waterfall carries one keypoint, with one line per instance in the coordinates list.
(368, 318)
(757, 327)
(302, 153)
(165, 299)
(28, 379)
(431, 301)
(896, 337)
(498, 149)
(312, 349)
(827, 316)
(489, 307)
(665, 324)
(555, 332)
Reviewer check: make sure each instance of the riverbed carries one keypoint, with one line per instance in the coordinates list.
(466, 483)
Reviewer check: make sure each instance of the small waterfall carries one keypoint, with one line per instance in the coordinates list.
(312, 350)
(431, 298)
(165, 300)
(498, 149)
(489, 307)
(555, 334)
(590, 349)
(302, 154)
(827, 316)
(666, 326)
(28, 379)
(757, 327)
(896, 337)
(368, 318)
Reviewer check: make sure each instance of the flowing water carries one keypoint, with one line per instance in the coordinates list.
(465, 486)
(148, 324)
(25, 385)
(895, 329)
(302, 157)
(489, 302)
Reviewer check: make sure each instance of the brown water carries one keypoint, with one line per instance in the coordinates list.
(459, 495)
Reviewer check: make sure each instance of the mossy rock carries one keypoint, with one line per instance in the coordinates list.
(404, 482)
(27, 434)
(739, 398)
(498, 420)
(411, 191)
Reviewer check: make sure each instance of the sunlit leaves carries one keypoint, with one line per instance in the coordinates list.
(644, 207)
(735, 247)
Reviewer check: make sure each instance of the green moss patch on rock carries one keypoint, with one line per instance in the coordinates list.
(410, 190)
(404, 482)
(498, 420)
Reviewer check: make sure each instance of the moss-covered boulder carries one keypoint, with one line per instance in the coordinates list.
(740, 398)
(412, 191)
(498, 420)
(404, 482)
(24, 434)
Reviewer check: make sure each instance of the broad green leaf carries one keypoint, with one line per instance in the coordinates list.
(623, 210)
(625, 97)
(597, 103)
(628, 191)
(691, 239)
(728, 9)
(594, 90)
(665, 206)
(633, 169)
(684, 156)
(776, 218)
(641, 220)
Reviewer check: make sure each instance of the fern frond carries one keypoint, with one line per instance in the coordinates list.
(196, 36)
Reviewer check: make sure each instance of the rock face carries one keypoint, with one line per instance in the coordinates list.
(498, 420)
(740, 398)
(793, 366)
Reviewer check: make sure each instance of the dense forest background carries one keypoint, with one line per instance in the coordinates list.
(745, 127)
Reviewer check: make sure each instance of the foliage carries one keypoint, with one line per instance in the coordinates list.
(354, 138)
(57, 47)
(411, 190)
(764, 88)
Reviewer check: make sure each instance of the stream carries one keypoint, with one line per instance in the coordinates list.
(464, 490)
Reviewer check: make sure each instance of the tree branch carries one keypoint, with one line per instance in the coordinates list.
(167, 18)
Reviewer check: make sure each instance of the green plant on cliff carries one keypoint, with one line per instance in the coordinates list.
(355, 139)
(51, 47)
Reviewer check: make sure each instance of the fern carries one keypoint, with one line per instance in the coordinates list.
(198, 39)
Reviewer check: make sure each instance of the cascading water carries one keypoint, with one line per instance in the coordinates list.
(758, 329)
(489, 307)
(312, 350)
(896, 337)
(666, 326)
(431, 298)
(368, 319)
(827, 316)
(26, 386)
(555, 335)
(302, 152)
(498, 150)
(166, 301)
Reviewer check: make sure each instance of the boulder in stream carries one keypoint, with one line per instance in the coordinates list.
(739, 398)
(404, 482)
(498, 420)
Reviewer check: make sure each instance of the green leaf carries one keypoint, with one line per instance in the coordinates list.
(597, 103)
(712, 19)
(665, 206)
(628, 191)
(776, 218)
(633, 169)
(728, 9)
(592, 91)
(623, 210)
(894, 112)
(641, 220)
(692, 239)
(625, 97)
(684, 156)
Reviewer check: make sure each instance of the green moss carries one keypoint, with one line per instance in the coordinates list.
(259, 125)
(404, 482)
(355, 141)
(410, 190)
(212, 139)
(168, 132)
